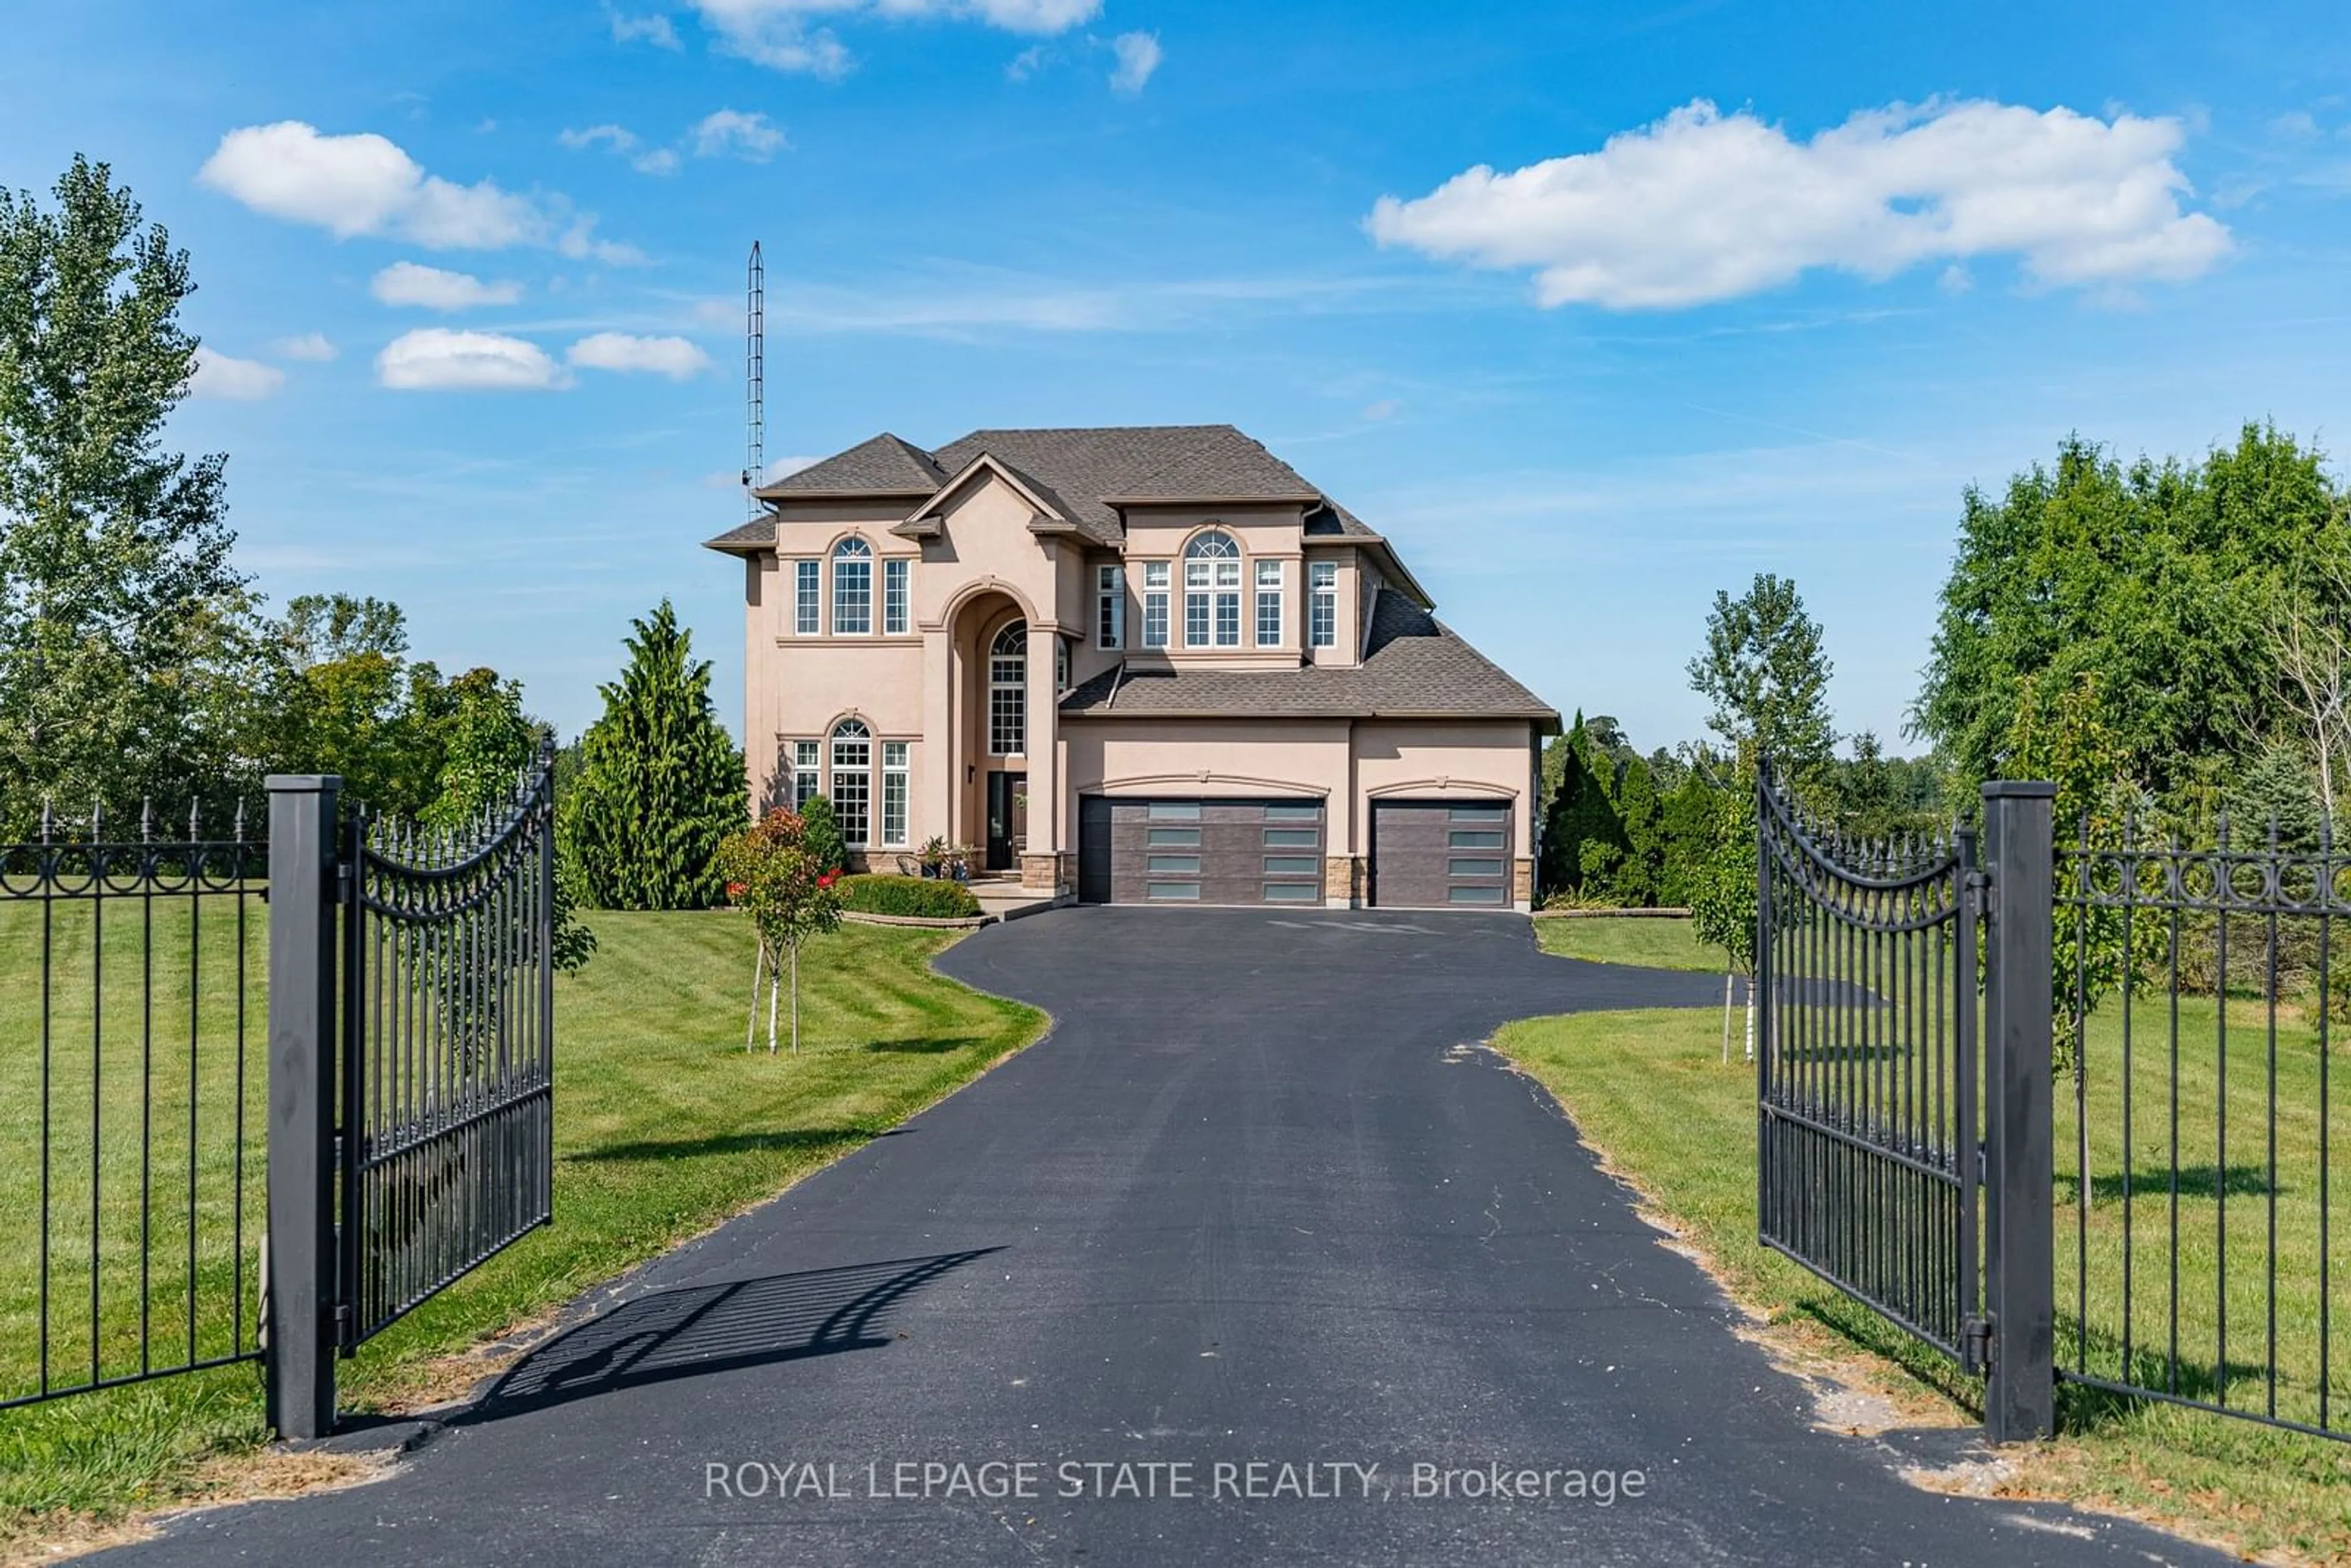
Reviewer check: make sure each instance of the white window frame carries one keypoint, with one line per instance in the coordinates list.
(1212, 590)
(1269, 575)
(894, 793)
(808, 771)
(1007, 691)
(1109, 607)
(852, 765)
(854, 557)
(808, 598)
(1323, 613)
(897, 595)
(1155, 603)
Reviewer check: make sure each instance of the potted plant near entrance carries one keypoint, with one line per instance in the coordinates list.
(932, 858)
(959, 859)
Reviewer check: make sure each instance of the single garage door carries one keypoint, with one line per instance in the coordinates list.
(1199, 851)
(1437, 854)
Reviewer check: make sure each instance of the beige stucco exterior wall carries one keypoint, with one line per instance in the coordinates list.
(1463, 760)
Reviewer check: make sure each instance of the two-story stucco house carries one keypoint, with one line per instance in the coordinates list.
(1146, 664)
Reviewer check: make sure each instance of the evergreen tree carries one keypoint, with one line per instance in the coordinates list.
(824, 842)
(659, 784)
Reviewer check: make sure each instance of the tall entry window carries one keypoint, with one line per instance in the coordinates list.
(894, 791)
(1212, 591)
(1008, 692)
(852, 779)
(852, 588)
(1325, 628)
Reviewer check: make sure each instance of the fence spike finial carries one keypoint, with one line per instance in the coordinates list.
(237, 829)
(45, 810)
(146, 819)
(193, 834)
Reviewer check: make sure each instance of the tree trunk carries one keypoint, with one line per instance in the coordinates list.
(1750, 1018)
(772, 1009)
(751, 1019)
(1726, 1017)
(795, 999)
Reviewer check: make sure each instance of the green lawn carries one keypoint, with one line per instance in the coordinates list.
(1662, 942)
(664, 1126)
(1650, 1089)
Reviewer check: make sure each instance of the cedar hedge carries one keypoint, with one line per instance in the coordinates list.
(932, 898)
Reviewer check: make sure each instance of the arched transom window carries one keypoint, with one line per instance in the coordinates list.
(853, 780)
(1008, 692)
(1212, 591)
(853, 587)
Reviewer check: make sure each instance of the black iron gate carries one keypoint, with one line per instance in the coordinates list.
(1903, 1079)
(412, 1038)
(1866, 1067)
(448, 1035)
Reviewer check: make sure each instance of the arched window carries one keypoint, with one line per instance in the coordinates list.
(853, 587)
(852, 779)
(1008, 692)
(1212, 591)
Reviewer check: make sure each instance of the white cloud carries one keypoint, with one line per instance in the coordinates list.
(222, 379)
(747, 136)
(1138, 57)
(1387, 408)
(1702, 206)
(1024, 65)
(618, 138)
(364, 184)
(2296, 125)
(655, 29)
(782, 35)
(436, 359)
(580, 242)
(407, 283)
(625, 142)
(311, 346)
(672, 357)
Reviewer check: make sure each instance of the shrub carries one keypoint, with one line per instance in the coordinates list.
(932, 898)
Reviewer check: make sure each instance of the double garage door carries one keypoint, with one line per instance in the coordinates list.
(1440, 855)
(1199, 851)
(1425, 855)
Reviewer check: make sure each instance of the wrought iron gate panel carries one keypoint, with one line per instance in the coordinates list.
(1866, 1066)
(448, 1025)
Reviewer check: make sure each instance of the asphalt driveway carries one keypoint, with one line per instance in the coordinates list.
(1257, 1230)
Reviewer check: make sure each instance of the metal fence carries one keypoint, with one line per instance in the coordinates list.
(449, 1033)
(1903, 1079)
(2201, 995)
(1866, 1068)
(131, 1104)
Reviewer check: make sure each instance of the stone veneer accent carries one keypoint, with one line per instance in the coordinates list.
(1054, 872)
(1342, 882)
(1522, 883)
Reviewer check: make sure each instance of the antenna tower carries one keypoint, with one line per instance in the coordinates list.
(754, 380)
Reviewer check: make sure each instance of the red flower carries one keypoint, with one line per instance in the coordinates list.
(736, 889)
(827, 878)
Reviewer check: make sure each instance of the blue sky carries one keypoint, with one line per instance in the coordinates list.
(1662, 349)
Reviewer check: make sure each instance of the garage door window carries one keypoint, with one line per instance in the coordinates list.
(1173, 838)
(1293, 838)
(1172, 865)
(1173, 891)
(1292, 892)
(1174, 810)
(1474, 895)
(1293, 813)
(1292, 865)
(1473, 868)
(1474, 839)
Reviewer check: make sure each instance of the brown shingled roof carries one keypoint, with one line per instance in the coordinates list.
(1416, 667)
(885, 465)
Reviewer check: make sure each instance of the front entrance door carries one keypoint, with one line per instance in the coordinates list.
(1007, 818)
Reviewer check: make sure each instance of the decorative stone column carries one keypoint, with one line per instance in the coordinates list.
(1040, 854)
(1523, 883)
(1342, 882)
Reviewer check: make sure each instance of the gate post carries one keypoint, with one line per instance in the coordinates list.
(2019, 1164)
(301, 1251)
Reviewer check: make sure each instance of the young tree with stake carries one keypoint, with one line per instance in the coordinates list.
(771, 874)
